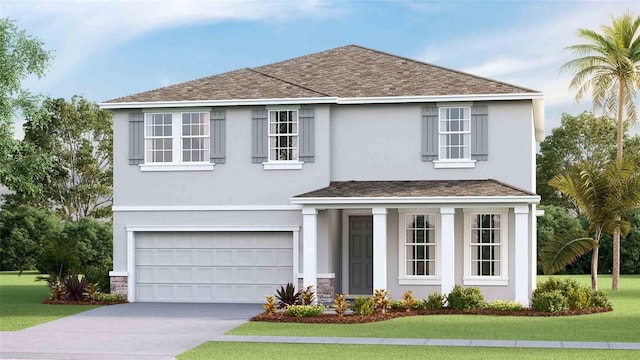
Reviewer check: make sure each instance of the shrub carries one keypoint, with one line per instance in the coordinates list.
(57, 290)
(465, 298)
(74, 287)
(435, 301)
(420, 305)
(578, 298)
(287, 295)
(99, 275)
(91, 292)
(340, 305)
(599, 299)
(504, 305)
(408, 300)
(307, 295)
(549, 301)
(112, 297)
(396, 305)
(381, 300)
(270, 306)
(304, 310)
(363, 305)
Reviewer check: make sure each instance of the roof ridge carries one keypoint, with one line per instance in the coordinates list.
(442, 67)
(287, 81)
(303, 56)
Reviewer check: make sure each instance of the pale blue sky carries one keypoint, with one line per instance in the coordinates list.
(108, 49)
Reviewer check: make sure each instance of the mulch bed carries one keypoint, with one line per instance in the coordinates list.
(392, 314)
(69, 302)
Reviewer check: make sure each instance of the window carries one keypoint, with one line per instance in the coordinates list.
(419, 241)
(176, 141)
(486, 241)
(283, 135)
(455, 133)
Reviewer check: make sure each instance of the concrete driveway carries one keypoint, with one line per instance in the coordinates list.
(127, 331)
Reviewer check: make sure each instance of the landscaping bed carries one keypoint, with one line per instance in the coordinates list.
(392, 314)
(70, 302)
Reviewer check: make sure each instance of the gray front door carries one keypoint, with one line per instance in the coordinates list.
(361, 255)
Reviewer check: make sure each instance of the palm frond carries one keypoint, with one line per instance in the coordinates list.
(563, 249)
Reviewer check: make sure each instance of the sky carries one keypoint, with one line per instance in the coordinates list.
(108, 49)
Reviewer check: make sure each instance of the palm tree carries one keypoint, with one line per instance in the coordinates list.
(608, 66)
(604, 197)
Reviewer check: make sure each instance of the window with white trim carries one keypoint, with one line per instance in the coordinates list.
(486, 239)
(454, 133)
(176, 139)
(283, 135)
(419, 246)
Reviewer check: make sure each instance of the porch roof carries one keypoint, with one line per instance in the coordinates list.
(428, 190)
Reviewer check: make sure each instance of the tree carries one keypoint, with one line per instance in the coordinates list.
(20, 56)
(578, 138)
(608, 66)
(605, 197)
(78, 137)
(558, 220)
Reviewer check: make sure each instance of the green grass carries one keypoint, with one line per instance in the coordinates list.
(224, 350)
(619, 325)
(20, 302)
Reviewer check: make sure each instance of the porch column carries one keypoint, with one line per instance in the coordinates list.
(310, 248)
(447, 249)
(379, 247)
(521, 260)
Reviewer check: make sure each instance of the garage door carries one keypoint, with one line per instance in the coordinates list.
(211, 266)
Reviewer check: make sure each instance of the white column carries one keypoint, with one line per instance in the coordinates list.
(296, 254)
(533, 249)
(379, 247)
(310, 247)
(131, 266)
(447, 249)
(521, 260)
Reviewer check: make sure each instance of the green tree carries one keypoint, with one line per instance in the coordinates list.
(21, 55)
(578, 138)
(78, 137)
(608, 67)
(557, 220)
(605, 197)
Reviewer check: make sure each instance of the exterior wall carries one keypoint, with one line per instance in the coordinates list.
(383, 142)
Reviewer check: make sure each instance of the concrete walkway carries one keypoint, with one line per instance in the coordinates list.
(431, 342)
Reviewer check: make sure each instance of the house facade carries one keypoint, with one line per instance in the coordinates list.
(349, 170)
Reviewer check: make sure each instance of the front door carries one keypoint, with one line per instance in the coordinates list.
(361, 255)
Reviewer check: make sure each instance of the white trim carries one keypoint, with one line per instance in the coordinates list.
(489, 210)
(520, 246)
(126, 208)
(118, 273)
(379, 247)
(454, 164)
(319, 100)
(345, 243)
(447, 248)
(310, 248)
(403, 278)
(282, 165)
(417, 200)
(283, 107)
(296, 255)
(455, 104)
(131, 266)
(502, 279)
(320, 275)
(538, 118)
(176, 167)
(208, 228)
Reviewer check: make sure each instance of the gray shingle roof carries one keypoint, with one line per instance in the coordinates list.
(418, 188)
(348, 71)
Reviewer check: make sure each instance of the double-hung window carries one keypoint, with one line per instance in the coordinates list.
(419, 248)
(176, 141)
(283, 135)
(486, 238)
(455, 133)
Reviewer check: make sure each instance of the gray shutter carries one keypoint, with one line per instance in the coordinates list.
(429, 133)
(217, 147)
(136, 138)
(259, 135)
(306, 142)
(480, 132)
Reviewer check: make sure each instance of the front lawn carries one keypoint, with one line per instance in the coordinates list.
(20, 302)
(619, 325)
(228, 350)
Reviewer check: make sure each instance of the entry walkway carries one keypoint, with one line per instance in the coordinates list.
(431, 342)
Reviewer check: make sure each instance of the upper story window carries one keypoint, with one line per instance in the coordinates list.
(283, 135)
(176, 141)
(455, 133)
(486, 237)
(418, 248)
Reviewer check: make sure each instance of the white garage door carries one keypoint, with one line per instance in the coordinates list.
(211, 266)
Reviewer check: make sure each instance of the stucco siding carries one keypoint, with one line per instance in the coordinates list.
(383, 142)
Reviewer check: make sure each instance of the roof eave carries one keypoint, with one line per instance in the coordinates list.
(530, 199)
(319, 100)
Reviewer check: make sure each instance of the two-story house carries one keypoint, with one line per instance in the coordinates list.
(349, 169)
